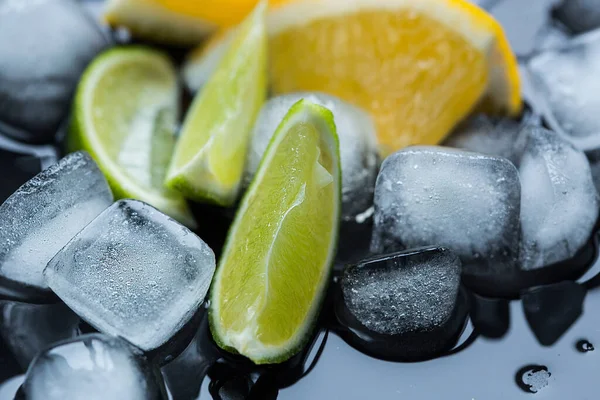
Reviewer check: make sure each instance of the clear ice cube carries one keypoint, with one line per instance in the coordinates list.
(579, 15)
(482, 135)
(559, 202)
(56, 40)
(93, 366)
(358, 146)
(45, 213)
(29, 328)
(465, 201)
(133, 272)
(565, 83)
(406, 303)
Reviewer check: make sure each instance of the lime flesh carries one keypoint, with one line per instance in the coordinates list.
(276, 263)
(210, 154)
(124, 115)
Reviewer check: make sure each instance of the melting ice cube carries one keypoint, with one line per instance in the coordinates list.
(358, 146)
(92, 367)
(465, 201)
(482, 135)
(45, 46)
(565, 83)
(407, 304)
(45, 213)
(133, 272)
(559, 202)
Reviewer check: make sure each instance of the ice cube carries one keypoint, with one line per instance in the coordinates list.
(550, 37)
(579, 15)
(358, 146)
(551, 310)
(93, 366)
(565, 83)
(133, 272)
(45, 213)
(559, 203)
(404, 305)
(465, 201)
(30, 328)
(56, 40)
(22, 162)
(482, 135)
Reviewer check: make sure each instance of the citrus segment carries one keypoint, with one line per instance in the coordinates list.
(124, 115)
(276, 263)
(418, 66)
(210, 154)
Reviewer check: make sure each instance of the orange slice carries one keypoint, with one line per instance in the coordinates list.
(418, 66)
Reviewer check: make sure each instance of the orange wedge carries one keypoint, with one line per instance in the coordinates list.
(418, 66)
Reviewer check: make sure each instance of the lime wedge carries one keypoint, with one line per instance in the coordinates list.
(210, 154)
(276, 263)
(124, 115)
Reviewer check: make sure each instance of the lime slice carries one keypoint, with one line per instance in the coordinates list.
(124, 115)
(210, 154)
(276, 264)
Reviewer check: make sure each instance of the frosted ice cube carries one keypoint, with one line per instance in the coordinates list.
(565, 83)
(579, 15)
(465, 201)
(550, 37)
(358, 146)
(45, 213)
(406, 303)
(482, 135)
(133, 272)
(45, 46)
(92, 367)
(29, 328)
(559, 203)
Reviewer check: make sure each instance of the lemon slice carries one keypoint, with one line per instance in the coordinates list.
(124, 116)
(276, 264)
(418, 66)
(209, 157)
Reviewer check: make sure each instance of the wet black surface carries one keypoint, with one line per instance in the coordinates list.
(507, 349)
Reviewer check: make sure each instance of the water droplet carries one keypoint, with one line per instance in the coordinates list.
(583, 346)
(532, 378)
